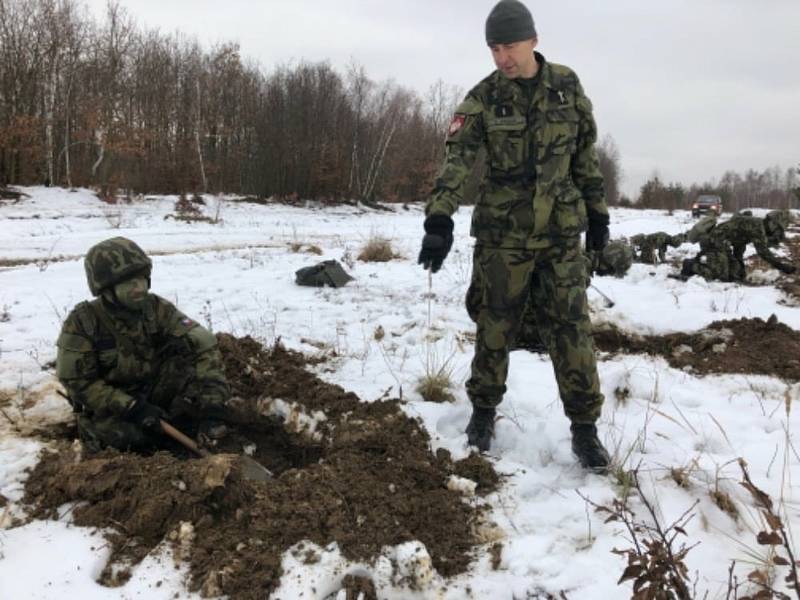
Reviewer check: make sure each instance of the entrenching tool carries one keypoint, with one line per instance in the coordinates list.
(609, 302)
(251, 468)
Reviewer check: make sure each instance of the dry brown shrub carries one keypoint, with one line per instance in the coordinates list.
(377, 249)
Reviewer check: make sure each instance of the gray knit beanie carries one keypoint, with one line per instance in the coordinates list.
(510, 21)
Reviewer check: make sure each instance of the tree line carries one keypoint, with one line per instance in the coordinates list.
(113, 106)
(771, 188)
(110, 105)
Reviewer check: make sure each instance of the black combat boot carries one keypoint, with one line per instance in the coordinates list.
(588, 448)
(481, 428)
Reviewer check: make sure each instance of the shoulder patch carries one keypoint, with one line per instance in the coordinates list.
(183, 326)
(202, 339)
(456, 124)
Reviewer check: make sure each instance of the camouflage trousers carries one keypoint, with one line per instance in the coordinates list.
(553, 281)
(170, 386)
(717, 264)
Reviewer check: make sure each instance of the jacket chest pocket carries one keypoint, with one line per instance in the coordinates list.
(127, 368)
(560, 134)
(506, 142)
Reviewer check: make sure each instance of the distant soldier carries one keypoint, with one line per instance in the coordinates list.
(129, 358)
(652, 248)
(739, 231)
(722, 250)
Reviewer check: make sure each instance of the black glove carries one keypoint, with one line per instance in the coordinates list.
(181, 407)
(687, 269)
(597, 234)
(786, 268)
(146, 415)
(437, 242)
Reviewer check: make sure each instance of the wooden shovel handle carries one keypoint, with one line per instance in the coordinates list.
(183, 439)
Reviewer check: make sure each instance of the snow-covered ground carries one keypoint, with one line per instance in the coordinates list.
(238, 276)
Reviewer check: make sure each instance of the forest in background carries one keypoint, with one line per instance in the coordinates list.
(110, 105)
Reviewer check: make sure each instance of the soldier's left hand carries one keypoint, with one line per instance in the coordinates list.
(597, 235)
(181, 406)
(437, 242)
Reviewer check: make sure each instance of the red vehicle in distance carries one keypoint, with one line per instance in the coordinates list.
(707, 203)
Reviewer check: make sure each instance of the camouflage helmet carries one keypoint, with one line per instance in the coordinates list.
(114, 260)
(616, 259)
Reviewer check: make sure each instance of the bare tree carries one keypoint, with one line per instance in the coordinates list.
(610, 166)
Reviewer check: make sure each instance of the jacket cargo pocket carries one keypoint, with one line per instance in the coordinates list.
(570, 285)
(561, 130)
(569, 216)
(506, 137)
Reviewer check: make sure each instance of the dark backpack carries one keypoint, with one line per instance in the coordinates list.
(328, 272)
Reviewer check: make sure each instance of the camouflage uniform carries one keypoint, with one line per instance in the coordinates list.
(615, 259)
(652, 248)
(738, 232)
(109, 357)
(722, 249)
(542, 183)
(776, 222)
(715, 261)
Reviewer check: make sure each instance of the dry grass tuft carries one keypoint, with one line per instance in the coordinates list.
(725, 503)
(435, 387)
(680, 475)
(377, 249)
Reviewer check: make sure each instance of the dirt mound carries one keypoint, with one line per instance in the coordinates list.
(752, 346)
(369, 481)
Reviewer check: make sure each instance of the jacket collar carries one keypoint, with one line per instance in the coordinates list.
(508, 90)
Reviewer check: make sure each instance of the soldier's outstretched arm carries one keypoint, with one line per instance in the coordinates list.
(766, 254)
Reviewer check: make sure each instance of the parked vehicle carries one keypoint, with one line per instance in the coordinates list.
(707, 203)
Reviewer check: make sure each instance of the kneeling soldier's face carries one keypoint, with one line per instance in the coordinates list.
(132, 292)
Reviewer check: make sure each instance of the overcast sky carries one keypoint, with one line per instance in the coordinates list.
(687, 88)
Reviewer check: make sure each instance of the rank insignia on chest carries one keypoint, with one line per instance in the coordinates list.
(456, 124)
(503, 111)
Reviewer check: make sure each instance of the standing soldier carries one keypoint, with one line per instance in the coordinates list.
(129, 358)
(543, 189)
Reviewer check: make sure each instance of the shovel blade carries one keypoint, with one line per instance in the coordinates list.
(254, 470)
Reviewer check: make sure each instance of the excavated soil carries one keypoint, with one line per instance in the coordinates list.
(366, 480)
(751, 346)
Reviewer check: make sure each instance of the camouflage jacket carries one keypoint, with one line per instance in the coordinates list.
(104, 373)
(741, 230)
(543, 177)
